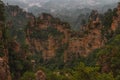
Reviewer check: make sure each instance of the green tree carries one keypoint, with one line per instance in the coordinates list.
(107, 18)
(83, 72)
(105, 76)
(28, 76)
(110, 56)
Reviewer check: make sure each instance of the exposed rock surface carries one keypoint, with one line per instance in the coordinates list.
(40, 75)
(47, 34)
(116, 20)
(104, 58)
(79, 43)
(50, 34)
(4, 70)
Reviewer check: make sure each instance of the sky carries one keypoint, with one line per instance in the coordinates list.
(44, 1)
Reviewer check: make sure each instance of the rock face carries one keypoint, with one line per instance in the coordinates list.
(116, 19)
(47, 34)
(4, 67)
(88, 40)
(4, 70)
(40, 75)
(104, 58)
(15, 46)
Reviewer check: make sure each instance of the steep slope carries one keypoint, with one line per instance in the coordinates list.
(13, 50)
(4, 68)
(47, 34)
(111, 51)
(43, 32)
(17, 20)
(88, 39)
(46, 40)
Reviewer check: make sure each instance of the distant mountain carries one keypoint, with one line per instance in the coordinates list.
(106, 7)
(73, 17)
(50, 6)
(67, 10)
(59, 4)
(37, 10)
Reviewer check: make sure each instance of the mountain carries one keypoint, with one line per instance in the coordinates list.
(67, 10)
(57, 4)
(46, 48)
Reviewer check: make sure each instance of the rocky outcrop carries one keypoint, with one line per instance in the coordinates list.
(4, 70)
(89, 39)
(4, 67)
(114, 52)
(116, 20)
(40, 75)
(79, 43)
(47, 35)
(15, 46)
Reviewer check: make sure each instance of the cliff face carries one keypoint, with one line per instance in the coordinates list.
(4, 68)
(89, 39)
(12, 47)
(47, 34)
(17, 20)
(49, 38)
(116, 20)
(111, 50)
(92, 35)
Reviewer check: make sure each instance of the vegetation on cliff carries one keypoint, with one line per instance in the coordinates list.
(45, 48)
